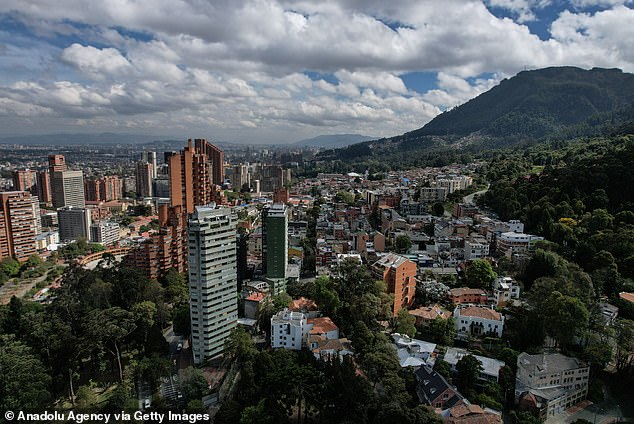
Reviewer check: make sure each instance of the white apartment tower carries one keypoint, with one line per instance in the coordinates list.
(212, 279)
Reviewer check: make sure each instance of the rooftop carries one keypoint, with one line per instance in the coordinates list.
(479, 312)
(321, 325)
(490, 366)
(547, 363)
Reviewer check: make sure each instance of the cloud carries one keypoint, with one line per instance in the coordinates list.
(239, 68)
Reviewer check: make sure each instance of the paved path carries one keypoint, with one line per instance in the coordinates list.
(469, 198)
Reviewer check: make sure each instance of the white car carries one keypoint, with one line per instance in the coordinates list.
(147, 403)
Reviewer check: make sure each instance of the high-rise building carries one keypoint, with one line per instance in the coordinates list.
(68, 189)
(56, 163)
(212, 280)
(143, 179)
(104, 189)
(240, 177)
(275, 244)
(166, 249)
(74, 223)
(19, 224)
(150, 157)
(25, 180)
(44, 191)
(191, 174)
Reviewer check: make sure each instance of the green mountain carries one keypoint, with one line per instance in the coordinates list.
(539, 103)
(559, 103)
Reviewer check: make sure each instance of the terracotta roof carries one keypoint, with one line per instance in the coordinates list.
(321, 325)
(627, 296)
(461, 410)
(302, 304)
(486, 418)
(255, 297)
(466, 290)
(429, 312)
(485, 313)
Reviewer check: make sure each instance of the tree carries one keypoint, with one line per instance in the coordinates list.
(24, 382)
(33, 261)
(564, 317)
(181, 320)
(240, 345)
(403, 243)
(480, 274)
(10, 266)
(193, 382)
(326, 296)
(443, 368)
(405, 323)
(624, 344)
(469, 368)
(438, 209)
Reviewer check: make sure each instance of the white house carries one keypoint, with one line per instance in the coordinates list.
(413, 352)
(478, 321)
(288, 330)
(505, 289)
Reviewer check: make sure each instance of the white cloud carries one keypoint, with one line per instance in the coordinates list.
(238, 67)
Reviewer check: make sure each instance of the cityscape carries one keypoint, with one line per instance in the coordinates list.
(356, 235)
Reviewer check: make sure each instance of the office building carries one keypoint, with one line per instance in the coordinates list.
(150, 157)
(68, 189)
(275, 245)
(19, 224)
(74, 223)
(104, 232)
(212, 279)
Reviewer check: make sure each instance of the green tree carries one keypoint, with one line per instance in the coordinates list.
(10, 267)
(443, 368)
(403, 243)
(181, 319)
(24, 382)
(469, 368)
(564, 317)
(438, 209)
(405, 323)
(325, 296)
(480, 274)
(240, 345)
(193, 382)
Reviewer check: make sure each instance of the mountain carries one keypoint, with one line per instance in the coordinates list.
(538, 103)
(78, 139)
(333, 141)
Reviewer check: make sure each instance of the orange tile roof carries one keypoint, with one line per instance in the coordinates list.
(302, 304)
(485, 313)
(466, 290)
(255, 297)
(429, 312)
(321, 325)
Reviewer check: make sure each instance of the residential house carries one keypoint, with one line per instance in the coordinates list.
(465, 295)
(471, 414)
(425, 315)
(288, 330)
(478, 321)
(504, 290)
(432, 389)
(413, 352)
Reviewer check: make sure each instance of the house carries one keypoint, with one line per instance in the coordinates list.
(490, 367)
(399, 274)
(288, 330)
(608, 313)
(322, 326)
(307, 307)
(476, 248)
(549, 383)
(465, 295)
(471, 414)
(327, 349)
(251, 304)
(478, 321)
(413, 352)
(511, 243)
(504, 290)
(432, 389)
(425, 315)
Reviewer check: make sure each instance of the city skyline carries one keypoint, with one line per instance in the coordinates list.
(279, 71)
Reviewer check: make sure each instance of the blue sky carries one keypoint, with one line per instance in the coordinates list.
(277, 71)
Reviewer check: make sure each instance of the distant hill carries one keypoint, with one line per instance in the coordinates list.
(333, 141)
(79, 139)
(538, 103)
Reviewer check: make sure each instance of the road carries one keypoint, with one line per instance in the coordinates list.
(469, 198)
(179, 358)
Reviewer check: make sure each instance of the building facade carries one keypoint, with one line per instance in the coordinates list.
(104, 232)
(399, 274)
(478, 321)
(19, 224)
(275, 240)
(74, 223)
(212, 280)
(68, 189)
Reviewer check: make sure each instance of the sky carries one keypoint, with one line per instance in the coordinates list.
(276, 71)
